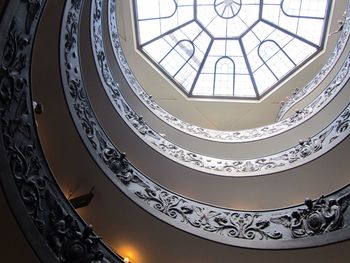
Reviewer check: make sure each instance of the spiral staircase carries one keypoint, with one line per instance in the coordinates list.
(174, 179)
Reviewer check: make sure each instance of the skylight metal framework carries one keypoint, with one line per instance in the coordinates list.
(239, 49)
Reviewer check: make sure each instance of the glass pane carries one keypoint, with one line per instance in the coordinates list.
(230, 48)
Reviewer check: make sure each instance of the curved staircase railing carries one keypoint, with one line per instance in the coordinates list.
(50, 224)
(292, 157)
(56, 232)
(238, 136)
(314, 223)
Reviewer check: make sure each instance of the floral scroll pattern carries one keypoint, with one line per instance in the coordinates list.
(275, 162)
(220, 224)
(244, 135)
(65, 235)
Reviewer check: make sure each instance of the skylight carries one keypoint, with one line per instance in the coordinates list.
(238, 49)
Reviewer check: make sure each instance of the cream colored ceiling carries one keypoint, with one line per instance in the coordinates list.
(221, 115)
(73, 165)
(123, 225)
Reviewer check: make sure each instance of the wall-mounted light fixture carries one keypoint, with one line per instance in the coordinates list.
(82, 200)
(38, 107)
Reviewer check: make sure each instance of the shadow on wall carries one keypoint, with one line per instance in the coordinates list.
(2, 7)
(12, 240)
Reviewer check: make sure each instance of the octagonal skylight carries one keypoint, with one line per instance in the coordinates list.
(230, 48)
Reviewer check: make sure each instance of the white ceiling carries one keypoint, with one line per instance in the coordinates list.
(221, 115)
(123, 225)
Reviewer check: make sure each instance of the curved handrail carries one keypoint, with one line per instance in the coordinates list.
(300, 94)
(53, 228)
(275, 162)
(316, 223)
(216, 135)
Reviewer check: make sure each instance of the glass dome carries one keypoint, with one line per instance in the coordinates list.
(239, 49)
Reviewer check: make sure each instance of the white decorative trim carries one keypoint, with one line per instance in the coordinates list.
(217, 135)
(297, 155)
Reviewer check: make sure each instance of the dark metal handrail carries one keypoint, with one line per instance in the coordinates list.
(319, 222)
(50, 224)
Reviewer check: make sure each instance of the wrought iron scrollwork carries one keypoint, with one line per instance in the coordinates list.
(267, 164)
(229, 226)
(319, 217)
(243, 135)
(301, 93)
(67, 238)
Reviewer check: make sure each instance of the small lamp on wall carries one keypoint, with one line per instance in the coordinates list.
(38, 107)
(82, 200)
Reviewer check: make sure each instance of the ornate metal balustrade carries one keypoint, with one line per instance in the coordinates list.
(317, 222)
(231, 136)
(302, 152)
(300, 94)
(53, 228)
